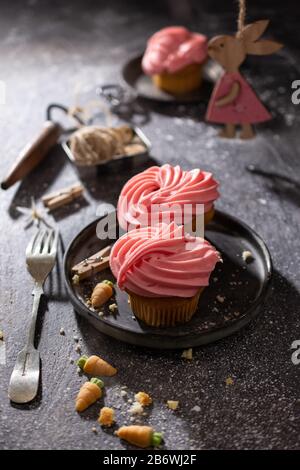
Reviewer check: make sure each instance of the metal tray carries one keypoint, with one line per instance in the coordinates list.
(137, 131)
(243, 286)
(143, 86)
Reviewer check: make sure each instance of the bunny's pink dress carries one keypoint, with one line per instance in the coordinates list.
(245, 109)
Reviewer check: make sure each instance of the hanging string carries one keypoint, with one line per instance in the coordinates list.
(241, 18)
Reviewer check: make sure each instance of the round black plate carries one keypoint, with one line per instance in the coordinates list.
(142, 84)
(241, 286)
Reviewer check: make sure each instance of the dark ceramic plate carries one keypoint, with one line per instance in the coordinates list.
(240, 289)
(142, 84)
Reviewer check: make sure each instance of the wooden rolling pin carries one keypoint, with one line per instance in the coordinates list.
(33, 153)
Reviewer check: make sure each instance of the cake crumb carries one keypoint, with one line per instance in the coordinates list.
(1, 335)
(130, 400)
(106, 416)
(143, 398)
(229, 381)
(136, 409)
(220, 299)
(62, 332)
(75, 279)
(76, 339)
(123, 393)
(78, 348)
(101, 314)
(79, 371)
(172, 404)
(112, 308)
(247, 256)
(187, 354)
(71, 360)
(94, 430)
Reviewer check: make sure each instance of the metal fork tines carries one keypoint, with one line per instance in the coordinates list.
(40, 258)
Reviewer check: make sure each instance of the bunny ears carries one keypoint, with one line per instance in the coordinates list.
(250, 34)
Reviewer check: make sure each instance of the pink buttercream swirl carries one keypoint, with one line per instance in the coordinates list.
(171, 49)
(162, 261)
(174, 192)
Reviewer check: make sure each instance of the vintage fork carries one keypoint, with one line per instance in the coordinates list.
(40, 258)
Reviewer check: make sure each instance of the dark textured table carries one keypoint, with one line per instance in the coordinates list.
(59, 52)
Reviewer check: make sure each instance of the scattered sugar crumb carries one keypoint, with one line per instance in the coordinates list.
(229, 381)
(220, 298)
(172, 404)
(196, 408)
(136, 409)
(75, 280)
(262, 201)
(123, 393)
(62, 332)
(187, 354)
(71, 360)
(215, 279)
(112, 308)
(130, 401)
(1, 335)
(79, 371)
(78, 348)
(143, 398)
(247, 256)
(76, 339)
(94, 430)
(124, 387)
(100, 314)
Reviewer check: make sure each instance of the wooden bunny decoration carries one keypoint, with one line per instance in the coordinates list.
(233, 101)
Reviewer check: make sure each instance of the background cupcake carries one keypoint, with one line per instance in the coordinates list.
(174, 58)
(172, 191)
(164, 272)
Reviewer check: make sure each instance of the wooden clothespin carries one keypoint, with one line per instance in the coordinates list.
(92, 265)
(64, 196)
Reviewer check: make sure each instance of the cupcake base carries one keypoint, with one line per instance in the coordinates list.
(179, 83)
(164, 311)
(208, 216)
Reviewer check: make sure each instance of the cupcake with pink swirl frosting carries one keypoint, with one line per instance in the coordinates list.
(164, 271)
(166, 194)
(174, 57)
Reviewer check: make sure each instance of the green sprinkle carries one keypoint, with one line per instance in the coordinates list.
(98, 382)
(156, 439)
(109, 283)
(81, 361)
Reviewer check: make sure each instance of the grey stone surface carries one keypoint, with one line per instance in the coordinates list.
(49, 52)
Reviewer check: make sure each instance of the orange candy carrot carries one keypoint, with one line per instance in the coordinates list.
(102, 293)
(89, 393)
(94, 365)
(140, 436)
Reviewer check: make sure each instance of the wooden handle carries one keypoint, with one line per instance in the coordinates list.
(33, 153)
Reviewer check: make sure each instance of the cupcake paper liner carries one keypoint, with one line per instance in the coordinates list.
(164, 311)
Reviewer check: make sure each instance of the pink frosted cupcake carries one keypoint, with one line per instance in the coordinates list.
(174, 58)
(164, 271)
(177, 195)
